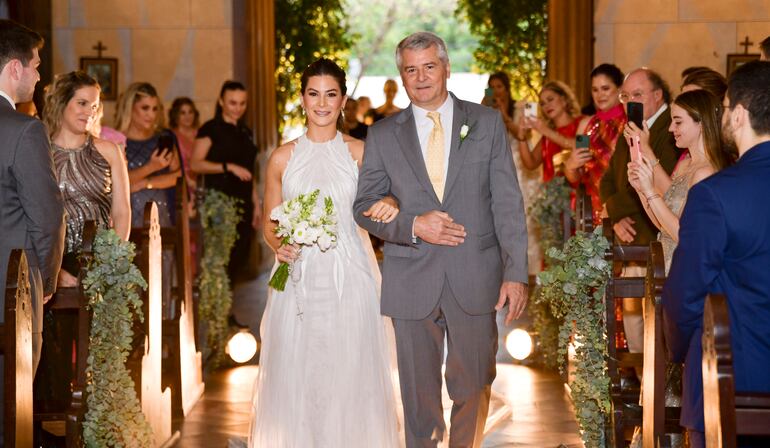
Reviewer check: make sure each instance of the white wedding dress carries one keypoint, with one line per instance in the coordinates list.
(325, 367)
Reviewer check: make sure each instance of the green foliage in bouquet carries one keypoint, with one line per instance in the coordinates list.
(114, 417)
(573, 287)
(219, 215)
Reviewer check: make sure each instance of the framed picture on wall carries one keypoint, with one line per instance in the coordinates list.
(736, 60)
(104, 70)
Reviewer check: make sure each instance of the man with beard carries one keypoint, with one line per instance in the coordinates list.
(724, 247)
(31, 209)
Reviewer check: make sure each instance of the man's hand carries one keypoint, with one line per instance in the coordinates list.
(437, 227)
(516, 295)
(624, 229)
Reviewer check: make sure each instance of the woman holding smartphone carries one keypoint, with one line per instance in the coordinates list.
(153, 165)
(586, 165)
(560, 116)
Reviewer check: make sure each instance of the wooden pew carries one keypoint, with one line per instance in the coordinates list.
(727, 413)
(182, 365)
(147, 370)
(16, 349)
(626, 413)
(69, 299)
(658, 419)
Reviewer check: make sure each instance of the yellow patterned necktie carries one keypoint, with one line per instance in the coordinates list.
(434, 160)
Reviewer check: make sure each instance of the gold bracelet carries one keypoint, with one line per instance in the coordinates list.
(651, 197)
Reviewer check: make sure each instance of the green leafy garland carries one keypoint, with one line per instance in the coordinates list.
(114, 416)
(573, 288)
(549, 204)
(220, 215)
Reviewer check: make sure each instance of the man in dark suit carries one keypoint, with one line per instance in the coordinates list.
(457, 250)
(625, 210)
(724, 247)
(31, 209)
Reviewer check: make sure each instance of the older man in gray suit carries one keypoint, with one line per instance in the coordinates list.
(456, 253)
(31, 209)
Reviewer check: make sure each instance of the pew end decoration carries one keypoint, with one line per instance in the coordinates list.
(549, 208)
(573, 288)
(219, 216)
(114, 416)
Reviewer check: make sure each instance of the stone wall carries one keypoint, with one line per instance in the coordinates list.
(670, 35)
(182, 47)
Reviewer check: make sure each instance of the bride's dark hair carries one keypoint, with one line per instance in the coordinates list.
(324, 67)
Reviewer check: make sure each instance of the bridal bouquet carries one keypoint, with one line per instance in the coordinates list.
(302, 221)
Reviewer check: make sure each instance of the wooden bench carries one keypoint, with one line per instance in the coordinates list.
(73, 300)
(658, 419)
(182, 365)
(147, 368)
(728, 414)
(16, 349)
(626, 413)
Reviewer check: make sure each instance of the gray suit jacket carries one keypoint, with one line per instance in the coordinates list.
(31, 208)
(481, 193)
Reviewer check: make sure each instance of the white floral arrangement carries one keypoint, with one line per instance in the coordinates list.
(304, 222)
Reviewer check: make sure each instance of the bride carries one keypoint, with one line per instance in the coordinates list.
(324, 377)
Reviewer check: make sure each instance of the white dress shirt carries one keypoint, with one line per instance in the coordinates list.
(651, 120)
(8, 97)
(425, 127)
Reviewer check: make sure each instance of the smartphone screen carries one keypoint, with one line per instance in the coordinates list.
(488, 91)
(635, 113)
(530, 109)
(581, 141)
(165, 141)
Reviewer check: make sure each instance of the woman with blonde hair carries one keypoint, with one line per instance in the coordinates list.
(91, 172)
(557, 124)
(153, 164)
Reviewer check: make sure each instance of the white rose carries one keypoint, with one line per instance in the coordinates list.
(312, 235)
(325, 241)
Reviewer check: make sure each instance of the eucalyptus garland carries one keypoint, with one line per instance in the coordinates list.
(114, 416)
(551, 201)
(573, 288)
(220, 215)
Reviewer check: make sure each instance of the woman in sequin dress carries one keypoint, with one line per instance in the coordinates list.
(586, 166)
(91, 172)
(153, 164)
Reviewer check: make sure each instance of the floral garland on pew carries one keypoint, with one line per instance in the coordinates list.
(219, 215)
(573, 287)
(114, 416)
(551, 201)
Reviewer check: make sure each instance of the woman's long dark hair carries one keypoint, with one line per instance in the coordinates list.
(506, 81)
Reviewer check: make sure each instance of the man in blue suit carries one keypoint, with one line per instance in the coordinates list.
(724, 247)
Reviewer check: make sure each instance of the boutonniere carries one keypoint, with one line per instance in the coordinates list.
(464, 131)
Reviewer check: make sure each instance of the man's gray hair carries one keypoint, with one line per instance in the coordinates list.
(420, 41)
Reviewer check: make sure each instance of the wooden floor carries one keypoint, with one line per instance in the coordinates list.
(541, 414)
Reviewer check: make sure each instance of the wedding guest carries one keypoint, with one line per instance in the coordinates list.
(705, 78)
(529, 179)
(765, 49)
(153, 165)
(724, 248)
(557, 124)
(390, 88)
(625, 210)
(225, 155)
(184, 121)
(351, 125)
(91, 172)
(587, 165)
(365, 111)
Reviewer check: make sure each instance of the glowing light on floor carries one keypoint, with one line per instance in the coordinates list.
(519, 344)
(242, 346)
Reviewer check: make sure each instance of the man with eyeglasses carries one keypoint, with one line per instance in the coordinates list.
(630, 222)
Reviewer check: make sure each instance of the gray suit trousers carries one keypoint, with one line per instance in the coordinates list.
(470, 370)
